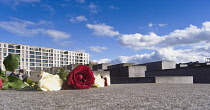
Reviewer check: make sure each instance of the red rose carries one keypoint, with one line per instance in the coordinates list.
(80, 77)
(1, 83)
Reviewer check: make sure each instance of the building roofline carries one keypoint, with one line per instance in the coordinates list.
(43, 47)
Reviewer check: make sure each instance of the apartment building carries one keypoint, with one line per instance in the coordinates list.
(33, 57)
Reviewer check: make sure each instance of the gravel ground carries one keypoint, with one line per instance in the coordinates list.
(114, 97)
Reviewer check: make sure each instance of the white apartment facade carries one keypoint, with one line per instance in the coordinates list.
(33, 57)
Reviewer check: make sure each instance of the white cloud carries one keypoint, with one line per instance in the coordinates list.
(28, 1)
(81, 18)
(97, 48)
(113, 7)
(19, 1)
(65, 43)
(161, 25)
(150, 24)
(103, 30)
(189, 36)
(79, 50)
(93, 8)
(138, 41)
(105, 60)
(28, 29)
(20, 27)
(189, 44)
(78, 19)
(80, 1)
(164, 54)
(57, 35)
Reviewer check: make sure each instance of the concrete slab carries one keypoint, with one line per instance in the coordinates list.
(174, 79)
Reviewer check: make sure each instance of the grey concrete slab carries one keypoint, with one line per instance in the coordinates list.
(174, 79)
(114, 97)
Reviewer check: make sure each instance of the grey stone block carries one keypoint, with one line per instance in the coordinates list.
(160, 65)
(120, 65)
(100, 66)
(124, 80)
(174, 80)
(128, 71)
(200, 74)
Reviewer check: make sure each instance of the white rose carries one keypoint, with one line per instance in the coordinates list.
(50, 82)
(107, 80)
(99, 82)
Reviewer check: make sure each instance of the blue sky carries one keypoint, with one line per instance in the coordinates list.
(112, 31)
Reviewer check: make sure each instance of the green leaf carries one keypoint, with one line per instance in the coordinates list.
(2, 79)
(30, 82)
(18, 84)
(62, 74)
(5, 86)
(2, 73)
(11, 62)
(15, 82)
(13, 78)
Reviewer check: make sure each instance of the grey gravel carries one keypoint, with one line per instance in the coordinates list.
(114, 97)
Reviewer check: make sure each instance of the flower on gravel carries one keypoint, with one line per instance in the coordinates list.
(50, 82)
(80, 77)
(1, 84)
(99, 81)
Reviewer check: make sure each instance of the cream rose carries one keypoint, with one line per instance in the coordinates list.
(50, 82)
(99, 81)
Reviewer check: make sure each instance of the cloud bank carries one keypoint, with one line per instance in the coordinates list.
(28, 29)
(189, 44)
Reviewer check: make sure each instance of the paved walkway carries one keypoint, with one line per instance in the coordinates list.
(114, 97)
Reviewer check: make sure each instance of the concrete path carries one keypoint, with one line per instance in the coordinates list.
(114, 97)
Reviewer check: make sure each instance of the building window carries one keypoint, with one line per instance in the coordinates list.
(38, 57)
(38, 53)
(44, 57)
(38, 60)
(17, 47)
(11, 50)
(31, 60)
(31, 64)
(45, 54)
(32, 68)
(31, 56)
(39, 68)
(38, 64)
(45, 61)
(31, 52)
(17, 51)
(10, 46)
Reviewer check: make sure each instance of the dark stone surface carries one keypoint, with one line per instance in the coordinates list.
(200, 74)
(114, 97)
(125, 80)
